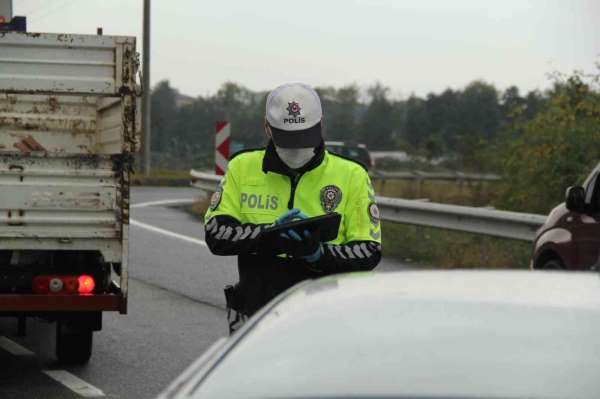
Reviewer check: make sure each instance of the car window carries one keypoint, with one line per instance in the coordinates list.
(351, 152)
(334, 148)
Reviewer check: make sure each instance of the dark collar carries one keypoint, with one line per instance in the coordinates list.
(272, 162)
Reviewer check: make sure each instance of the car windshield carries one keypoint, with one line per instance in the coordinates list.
(360, 154)
(357, 153)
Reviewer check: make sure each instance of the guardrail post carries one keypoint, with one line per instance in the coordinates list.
(382, 186)
(419, 182)
(420, 234)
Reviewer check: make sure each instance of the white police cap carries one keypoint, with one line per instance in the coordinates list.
(294, 112)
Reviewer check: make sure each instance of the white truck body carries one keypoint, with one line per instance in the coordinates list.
(68, 118)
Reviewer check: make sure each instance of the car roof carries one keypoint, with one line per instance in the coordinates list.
(433, 334)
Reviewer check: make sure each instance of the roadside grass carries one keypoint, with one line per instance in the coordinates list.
(469, 193)
(438, 248)
(161, 177)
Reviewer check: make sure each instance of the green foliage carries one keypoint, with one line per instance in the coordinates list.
(376, 128)
(340, 110)
(183, 135)
(556, 148)
(434, 147)
(164, 113)
(467, 193)
(452, 249)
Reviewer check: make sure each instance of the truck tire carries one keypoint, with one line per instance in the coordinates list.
(73, 346)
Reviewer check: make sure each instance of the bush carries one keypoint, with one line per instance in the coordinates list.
(555, 149)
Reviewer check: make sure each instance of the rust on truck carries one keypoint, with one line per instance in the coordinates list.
(29, 144)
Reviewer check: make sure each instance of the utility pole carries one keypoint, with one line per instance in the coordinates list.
(146, 136)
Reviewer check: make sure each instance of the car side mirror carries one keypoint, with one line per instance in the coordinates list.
(575, 199)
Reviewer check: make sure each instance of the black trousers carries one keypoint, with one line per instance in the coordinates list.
(263, 278)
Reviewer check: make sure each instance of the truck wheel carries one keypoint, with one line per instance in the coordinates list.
(553, 264)
(73, 346)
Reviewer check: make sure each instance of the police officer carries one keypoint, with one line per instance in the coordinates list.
(293, 177)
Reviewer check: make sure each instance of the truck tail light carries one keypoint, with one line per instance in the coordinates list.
(49, 285)
(41, 285)
(86, 284)
(70, 284)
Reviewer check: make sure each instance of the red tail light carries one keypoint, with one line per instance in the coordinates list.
(86, 284)
(41, 285)
(61, 285)
(70, 284)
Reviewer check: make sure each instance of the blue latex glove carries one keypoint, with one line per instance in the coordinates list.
(315, 256)
(290, 215)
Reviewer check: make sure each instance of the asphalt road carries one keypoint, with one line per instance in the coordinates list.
(176, 311)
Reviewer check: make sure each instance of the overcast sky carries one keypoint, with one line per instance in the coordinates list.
(412, 46)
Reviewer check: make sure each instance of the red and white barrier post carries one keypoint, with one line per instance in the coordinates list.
(223, 129)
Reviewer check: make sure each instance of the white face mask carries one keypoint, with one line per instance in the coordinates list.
(295, 158)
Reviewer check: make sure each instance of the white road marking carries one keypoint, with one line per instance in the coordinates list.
(74, 383)
(180, 201)
(13, 348)
(166, 232)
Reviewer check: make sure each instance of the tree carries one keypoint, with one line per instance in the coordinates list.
(416, 121)
(479, 123)
(434, 147)
(164, 114)
(376, 125)
(340, 110)
(557, 147)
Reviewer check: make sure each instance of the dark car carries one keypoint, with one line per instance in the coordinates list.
(417, 334)
(358, 152)
(570, 238)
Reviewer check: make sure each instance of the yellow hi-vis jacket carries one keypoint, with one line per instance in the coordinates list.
(258, 188)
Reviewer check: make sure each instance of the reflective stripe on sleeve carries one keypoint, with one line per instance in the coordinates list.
(228, 233)
(357, 251)
(363, 246)
(239, 230)
(255, 232)
(247, 232)
(222, 230)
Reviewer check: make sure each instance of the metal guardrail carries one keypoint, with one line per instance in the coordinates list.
(490, 222)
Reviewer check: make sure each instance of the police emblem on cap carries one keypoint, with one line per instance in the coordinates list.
(374, 214)
(293, 108)
(331, 196)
